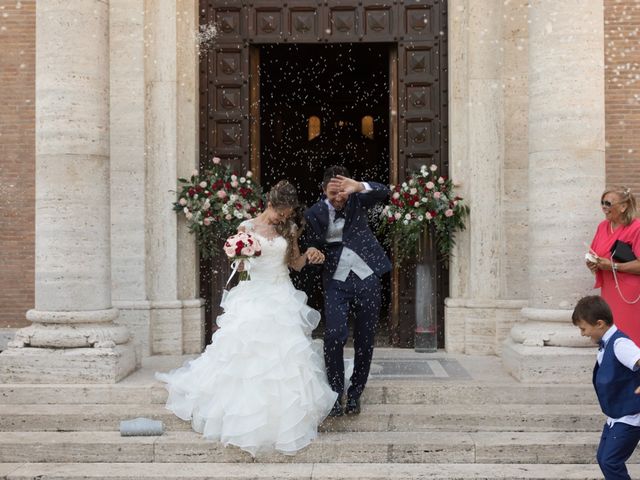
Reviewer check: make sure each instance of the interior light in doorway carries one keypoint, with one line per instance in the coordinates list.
(367, 126)
(314, 127)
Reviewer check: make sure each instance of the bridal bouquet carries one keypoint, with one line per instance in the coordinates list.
(239, 247)
(425, 199)
(215, 202)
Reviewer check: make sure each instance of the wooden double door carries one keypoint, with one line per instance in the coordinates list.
(288, 88)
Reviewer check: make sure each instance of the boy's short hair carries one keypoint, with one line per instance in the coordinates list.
(591, 309)
(332, 172)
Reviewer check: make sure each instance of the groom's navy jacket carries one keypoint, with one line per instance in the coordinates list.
(356, 234)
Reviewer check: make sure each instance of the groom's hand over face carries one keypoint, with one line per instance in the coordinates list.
(345, 186)
(336, 197)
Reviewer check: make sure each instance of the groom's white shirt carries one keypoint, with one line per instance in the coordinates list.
(349, 261)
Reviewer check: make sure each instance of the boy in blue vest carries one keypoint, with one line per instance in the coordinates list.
(615, 379)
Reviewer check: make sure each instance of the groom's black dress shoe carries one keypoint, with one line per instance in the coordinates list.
(352, 407)
(337, 410)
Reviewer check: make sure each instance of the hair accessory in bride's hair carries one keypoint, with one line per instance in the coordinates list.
(283, 195)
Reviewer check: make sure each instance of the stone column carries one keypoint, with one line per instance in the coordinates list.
(73, 337)
(566, 177)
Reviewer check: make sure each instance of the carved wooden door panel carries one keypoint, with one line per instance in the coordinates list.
(224, 118)
(416, 31)
(422, 105)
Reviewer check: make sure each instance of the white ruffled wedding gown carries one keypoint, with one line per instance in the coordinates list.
(261, 385)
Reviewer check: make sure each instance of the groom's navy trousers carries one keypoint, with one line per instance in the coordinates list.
(363, 296)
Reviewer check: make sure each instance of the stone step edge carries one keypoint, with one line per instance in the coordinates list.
(389, 447)
(311, 471)
(374, 418)
(376, 408)
(403, 392)
(512, 436)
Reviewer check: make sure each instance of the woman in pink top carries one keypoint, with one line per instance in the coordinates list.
(619, 281)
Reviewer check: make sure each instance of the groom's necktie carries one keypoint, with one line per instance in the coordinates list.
(339, 214)
(601, 345)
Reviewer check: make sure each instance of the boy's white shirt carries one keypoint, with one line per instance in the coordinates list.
(627, 354)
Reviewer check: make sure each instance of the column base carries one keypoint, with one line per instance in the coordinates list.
(479, 326)
(539, 364)
(67, 365)
(170, 328)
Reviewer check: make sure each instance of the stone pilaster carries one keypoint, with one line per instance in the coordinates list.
(476, 314)
(154, 139)
(73, 336)
(171, 139)
(566, 177)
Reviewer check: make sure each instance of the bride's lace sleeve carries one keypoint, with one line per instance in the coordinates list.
(246, 226)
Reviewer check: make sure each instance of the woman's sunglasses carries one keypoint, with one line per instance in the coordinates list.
(607, 203)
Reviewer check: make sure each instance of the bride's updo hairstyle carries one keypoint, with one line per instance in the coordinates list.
(284, 195)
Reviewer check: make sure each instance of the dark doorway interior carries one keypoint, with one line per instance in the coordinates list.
(323, 105)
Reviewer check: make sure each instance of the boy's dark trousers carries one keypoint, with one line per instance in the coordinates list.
(617, 443)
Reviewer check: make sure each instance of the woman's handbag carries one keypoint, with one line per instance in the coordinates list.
(621, 252)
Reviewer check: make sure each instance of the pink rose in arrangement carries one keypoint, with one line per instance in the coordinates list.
(229, 250)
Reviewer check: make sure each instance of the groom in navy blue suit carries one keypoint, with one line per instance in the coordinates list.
(354, 263)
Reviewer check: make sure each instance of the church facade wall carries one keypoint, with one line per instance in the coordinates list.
(154, 138)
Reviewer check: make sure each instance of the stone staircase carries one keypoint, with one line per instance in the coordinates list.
(480, 424)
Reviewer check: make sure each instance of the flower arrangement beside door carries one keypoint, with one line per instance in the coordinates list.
(215, 202)
(424, 201)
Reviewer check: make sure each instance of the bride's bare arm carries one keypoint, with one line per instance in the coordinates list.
(299, 260)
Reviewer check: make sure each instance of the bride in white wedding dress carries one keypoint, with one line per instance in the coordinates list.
(261, 383)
